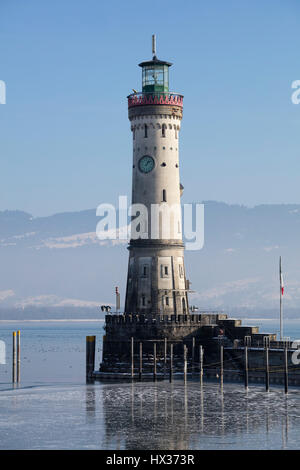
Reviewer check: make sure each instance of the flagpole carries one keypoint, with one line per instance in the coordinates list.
(280, 278)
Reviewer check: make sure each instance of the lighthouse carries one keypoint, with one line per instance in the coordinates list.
(156, 280)
(156, 330)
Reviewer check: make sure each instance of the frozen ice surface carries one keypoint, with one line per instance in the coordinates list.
(53, 408)
(148, 416)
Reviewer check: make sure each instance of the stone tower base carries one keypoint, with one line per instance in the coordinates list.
(202, 329)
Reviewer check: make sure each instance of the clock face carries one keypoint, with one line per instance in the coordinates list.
(146, 164)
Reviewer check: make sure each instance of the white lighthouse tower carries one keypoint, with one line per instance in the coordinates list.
(156, 282)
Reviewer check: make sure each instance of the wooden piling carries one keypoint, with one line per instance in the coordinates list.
(184, 362)
(286, 377)
(193, 354)
(165, 357)
(154, 361)
(171, 362)
(141, 361)
(201, 363)
(18, 356)
(246, 367)
(267, 368)
(90, 355)
(221, 364)
(14, 358)
(132, 357)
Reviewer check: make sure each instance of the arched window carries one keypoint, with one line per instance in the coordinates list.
(133, 131)
(146, 131)
(163, 130)
(176, 134)
(164, 195)
(183, 306)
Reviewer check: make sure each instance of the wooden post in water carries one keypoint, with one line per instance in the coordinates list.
(154, 361)
(132, 357)
(171, 362)
(221, 364)
(286, 377)
(193, 354)
(14, 358)
(18, 356)
(201, 363)
(90, 356)
(141, 361)
(184, 362)
(165, 357)
(267, 368)
(246, 366)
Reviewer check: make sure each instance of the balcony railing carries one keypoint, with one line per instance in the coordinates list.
(144, 99)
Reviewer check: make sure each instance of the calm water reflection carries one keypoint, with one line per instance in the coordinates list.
(188, 416)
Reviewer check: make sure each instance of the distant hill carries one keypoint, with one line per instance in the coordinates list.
(58, 262)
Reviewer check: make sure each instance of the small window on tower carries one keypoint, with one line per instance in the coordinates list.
(167, 301)
(145, 271)
(181, 270)
(143, 301)
(164, 195)
(176, 135)
(163, 130)
(133, 132)
(146, 131)
(164, 270)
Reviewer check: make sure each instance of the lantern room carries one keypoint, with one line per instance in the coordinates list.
(155, 76)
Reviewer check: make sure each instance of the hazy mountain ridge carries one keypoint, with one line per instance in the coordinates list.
(14, 223)
(263, 222)
(58, 261)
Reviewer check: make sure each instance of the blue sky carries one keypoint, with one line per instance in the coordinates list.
(68, 65)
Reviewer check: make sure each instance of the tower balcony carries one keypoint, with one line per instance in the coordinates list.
(155, 98)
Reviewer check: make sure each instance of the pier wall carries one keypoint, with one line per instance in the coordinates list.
(207, 330)
(120, 328)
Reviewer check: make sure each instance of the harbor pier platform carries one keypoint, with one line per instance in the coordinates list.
(206, 345)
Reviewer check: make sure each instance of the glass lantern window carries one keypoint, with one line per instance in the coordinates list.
(153, 76)
(156, 78)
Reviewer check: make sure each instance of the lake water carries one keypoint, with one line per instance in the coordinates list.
(53, 407)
